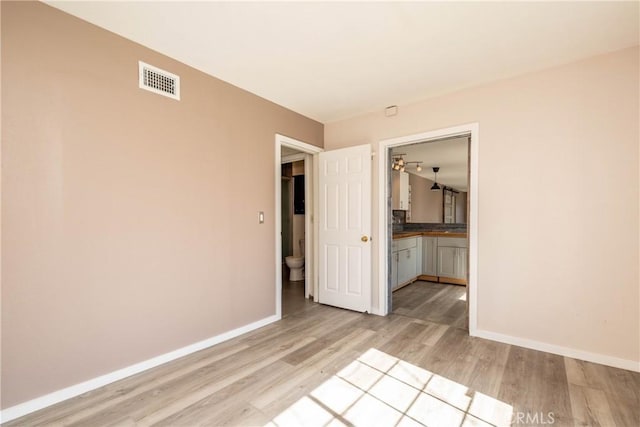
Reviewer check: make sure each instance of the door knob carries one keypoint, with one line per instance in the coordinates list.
(364, 238)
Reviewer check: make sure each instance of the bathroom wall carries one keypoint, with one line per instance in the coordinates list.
(125, 233)
(298, 220)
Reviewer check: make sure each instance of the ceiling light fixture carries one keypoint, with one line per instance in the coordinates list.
(398, 162)
(435, 186)
(418, 167)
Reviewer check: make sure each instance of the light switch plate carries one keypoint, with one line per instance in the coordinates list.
(260, 217)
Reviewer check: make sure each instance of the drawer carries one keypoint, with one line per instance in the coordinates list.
(407, 243)
(452, 242)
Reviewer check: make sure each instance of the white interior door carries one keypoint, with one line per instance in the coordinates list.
(344, 238)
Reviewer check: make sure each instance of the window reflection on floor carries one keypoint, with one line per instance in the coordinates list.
(381, 390)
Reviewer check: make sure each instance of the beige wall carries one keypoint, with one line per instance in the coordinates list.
(558, 199)
(461, 207)
(426, 205)
(125, 232)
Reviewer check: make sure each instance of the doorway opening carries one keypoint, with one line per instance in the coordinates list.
(296, 204)
(429, 250)
(294, 289)
(454, 261)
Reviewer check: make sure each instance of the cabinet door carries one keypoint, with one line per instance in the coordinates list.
(402, 265)
(395, 190)
(394, 270)
(461, 263)
(418, 256)
(430, 255)
(404, 191)
(407, 265)
(412, 264)
(447, 261)
(399, 191)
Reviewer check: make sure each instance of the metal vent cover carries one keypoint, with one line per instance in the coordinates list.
(158, 81)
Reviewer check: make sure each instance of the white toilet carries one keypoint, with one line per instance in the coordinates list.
(296, 264)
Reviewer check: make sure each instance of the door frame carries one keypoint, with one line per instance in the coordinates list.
(384, 229)
(310, 228)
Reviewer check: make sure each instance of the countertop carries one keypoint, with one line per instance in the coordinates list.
(404, 234)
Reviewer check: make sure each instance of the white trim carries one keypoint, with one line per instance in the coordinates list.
(285, 141)
(315, 227)
(309, 232)
(474, 226)
(41, 402)
(602, 359)
(383, 220)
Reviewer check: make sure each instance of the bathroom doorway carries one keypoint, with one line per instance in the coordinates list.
(296, 275)
(293, 231)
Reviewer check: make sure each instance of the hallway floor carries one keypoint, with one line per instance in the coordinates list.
(435, 302)
(292, 295)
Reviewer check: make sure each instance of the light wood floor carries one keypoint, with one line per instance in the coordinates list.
(292, 295)
(434, 302)
(321, 365)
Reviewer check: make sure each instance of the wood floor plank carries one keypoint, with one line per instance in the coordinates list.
(408, 343)
(233, 398)
(314, 367)
(174, 405)
(328, 337)
(625, 412)
(435, 302)
(491, 360)
(534, 383)
(243, 414)
(435, 333)
(590, 407)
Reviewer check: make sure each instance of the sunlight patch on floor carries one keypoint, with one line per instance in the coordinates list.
(378, 389)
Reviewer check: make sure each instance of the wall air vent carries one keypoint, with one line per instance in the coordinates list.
(158, 81)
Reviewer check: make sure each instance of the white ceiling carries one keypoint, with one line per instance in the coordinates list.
(334, 60)
(450, 155)
(286, 151)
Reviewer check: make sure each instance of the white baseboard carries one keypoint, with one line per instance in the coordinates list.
(602, 359)
(41, 402)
